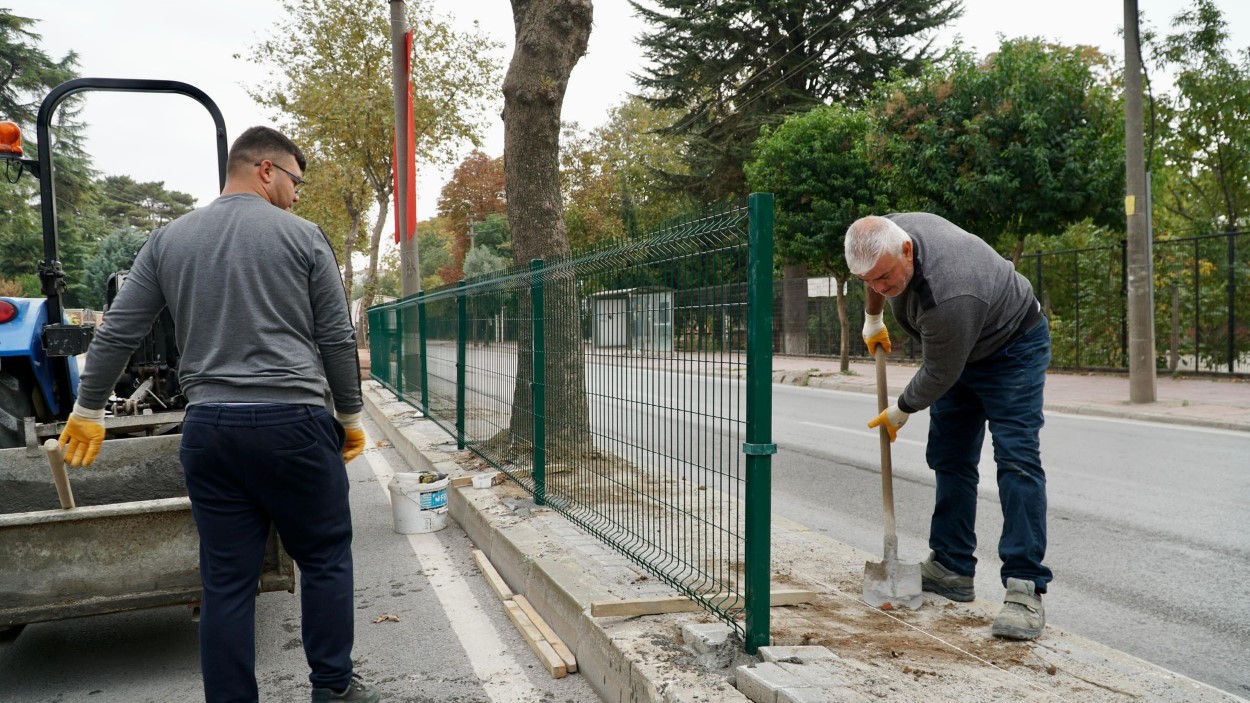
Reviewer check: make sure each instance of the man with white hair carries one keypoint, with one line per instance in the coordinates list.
(985, 350)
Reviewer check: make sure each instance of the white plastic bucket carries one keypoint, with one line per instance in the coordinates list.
(418, 507)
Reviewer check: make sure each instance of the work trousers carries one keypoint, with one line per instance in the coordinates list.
(248, 466)
(1004, 391)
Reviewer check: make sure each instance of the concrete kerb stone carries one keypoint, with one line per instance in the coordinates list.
(559, 588)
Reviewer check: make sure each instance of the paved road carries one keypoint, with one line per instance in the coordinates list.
(452, 643)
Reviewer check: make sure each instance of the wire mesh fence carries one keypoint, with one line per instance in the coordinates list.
(628, 388)
(1201, 293)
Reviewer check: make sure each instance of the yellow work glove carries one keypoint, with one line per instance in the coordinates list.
(354, 443)
(892, 418)
(82, 436)
(875, 333)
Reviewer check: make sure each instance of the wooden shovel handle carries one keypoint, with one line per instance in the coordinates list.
(887, 478)
(57, 461)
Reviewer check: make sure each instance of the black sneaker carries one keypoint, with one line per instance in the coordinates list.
(938, 579)
(357, 690)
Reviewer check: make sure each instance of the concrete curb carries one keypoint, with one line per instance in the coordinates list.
(559, 588)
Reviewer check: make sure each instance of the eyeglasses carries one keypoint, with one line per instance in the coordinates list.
(299, 182)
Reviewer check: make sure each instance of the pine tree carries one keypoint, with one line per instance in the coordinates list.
(734, 66)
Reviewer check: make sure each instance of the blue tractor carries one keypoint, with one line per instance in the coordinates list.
(39, 343)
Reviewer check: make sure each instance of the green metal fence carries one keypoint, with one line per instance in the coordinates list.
(628, 388)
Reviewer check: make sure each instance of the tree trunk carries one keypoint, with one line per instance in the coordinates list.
(349, 248)
(551, 36)
(844, 357)
(371, 276)
(794, 309)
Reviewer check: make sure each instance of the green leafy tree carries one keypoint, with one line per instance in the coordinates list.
(729, 68)
(818, 168)
(1028, 140)
(1204, 142)
(332, 65)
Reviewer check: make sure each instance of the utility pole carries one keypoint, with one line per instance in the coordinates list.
(1141, 323)
(409, 257)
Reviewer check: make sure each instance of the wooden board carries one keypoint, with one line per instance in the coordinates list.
(633, 607)
(492, 577)
(541, 647)
(561, 649)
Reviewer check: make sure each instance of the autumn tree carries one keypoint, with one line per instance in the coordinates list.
(551, 37)
(818, 167)
(337, 197)
(332, 62)
(475, 191)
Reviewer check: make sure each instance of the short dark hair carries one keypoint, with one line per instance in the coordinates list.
(259, 143)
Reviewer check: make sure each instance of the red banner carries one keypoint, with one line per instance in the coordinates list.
(412, 150)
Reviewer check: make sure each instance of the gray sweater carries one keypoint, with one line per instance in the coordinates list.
(258, 305)
(964, 302)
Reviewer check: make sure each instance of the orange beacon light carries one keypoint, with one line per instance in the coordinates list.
(10, 140)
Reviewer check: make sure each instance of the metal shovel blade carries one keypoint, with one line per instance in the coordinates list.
(889, 585)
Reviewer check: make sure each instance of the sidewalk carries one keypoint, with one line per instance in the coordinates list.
(1203, 402)
(942, 652)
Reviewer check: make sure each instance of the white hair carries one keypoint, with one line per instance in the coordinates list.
(870, 237)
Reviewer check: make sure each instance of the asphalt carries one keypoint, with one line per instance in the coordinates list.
(941, 652)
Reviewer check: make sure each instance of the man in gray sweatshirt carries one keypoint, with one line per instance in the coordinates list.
(261, 322)
(985, 348)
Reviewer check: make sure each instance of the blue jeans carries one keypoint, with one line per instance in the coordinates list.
(1005, 391)
(247, 467)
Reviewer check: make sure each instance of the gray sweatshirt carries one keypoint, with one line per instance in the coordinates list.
(258, 307)
(964, 302)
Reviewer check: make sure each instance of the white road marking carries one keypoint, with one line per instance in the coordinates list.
(874, 433)
(502, 677)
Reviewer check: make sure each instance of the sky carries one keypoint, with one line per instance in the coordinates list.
(170, 138)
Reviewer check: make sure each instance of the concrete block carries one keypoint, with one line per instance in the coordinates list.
(819, 674)
(803, 654)
(705, 637)
(760, 682)
(806, 694)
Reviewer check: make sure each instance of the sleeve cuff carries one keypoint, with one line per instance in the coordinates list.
(348, 419)
(88, 413)
(905, 407)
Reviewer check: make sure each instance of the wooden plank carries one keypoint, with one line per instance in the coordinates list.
(566, 654)
(555, 665)
(492, 577)
(461, 481)
(633, 607)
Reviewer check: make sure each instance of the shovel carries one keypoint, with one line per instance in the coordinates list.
(56, 460)
(889, 584)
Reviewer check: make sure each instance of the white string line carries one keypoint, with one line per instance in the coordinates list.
(839, 592)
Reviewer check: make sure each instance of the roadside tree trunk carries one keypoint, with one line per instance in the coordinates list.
(551, 36)
(844, 356)
(794, 309)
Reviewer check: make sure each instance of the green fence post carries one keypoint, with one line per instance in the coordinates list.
(462, 330)
(759, 446)
(538, 386)
(399, 353)
(425, 372)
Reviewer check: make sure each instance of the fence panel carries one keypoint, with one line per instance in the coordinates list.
(610, 385)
